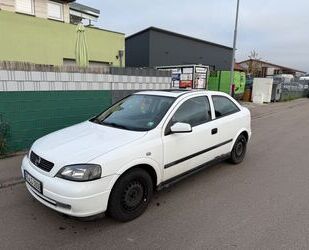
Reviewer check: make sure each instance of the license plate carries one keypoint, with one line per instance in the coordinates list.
(33, 182)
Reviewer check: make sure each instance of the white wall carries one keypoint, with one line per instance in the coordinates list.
(65, 81)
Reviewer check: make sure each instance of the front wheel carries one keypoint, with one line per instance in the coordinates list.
(239, 150)
(130, 196)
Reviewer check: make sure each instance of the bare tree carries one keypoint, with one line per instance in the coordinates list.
(254, 65)
(254, 55)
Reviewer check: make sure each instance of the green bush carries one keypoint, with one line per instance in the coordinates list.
(4, 133)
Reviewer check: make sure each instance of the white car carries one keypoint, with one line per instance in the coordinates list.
(304, 78)
(116, 160)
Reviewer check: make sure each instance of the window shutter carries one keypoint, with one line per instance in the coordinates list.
(54, 10)
(25, 6)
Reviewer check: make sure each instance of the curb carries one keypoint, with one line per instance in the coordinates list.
(11, 183)
(11, 155)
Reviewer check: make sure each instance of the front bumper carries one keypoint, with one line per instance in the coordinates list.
(79, 199)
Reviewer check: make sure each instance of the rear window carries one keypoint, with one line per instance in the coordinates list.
(223, 106)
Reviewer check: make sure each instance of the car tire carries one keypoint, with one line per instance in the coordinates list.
(239, 150)
(130, 195)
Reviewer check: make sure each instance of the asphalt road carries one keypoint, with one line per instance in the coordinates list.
(262, 203)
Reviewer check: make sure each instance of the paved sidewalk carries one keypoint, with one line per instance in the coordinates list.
(10, 173)
(262, 110)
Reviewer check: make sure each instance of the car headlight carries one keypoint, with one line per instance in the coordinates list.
(80, 172)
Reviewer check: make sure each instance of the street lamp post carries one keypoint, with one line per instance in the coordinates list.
(234, 49)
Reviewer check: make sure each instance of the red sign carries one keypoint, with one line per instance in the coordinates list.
(185, 84)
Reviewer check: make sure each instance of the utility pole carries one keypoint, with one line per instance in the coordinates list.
(234, 50)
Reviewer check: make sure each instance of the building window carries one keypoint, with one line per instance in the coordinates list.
(24, 6)
(264, 71)
(55, 11)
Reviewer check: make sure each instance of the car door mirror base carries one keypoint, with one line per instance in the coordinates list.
(181, 127)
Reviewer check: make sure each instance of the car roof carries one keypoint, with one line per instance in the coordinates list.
(176, 93)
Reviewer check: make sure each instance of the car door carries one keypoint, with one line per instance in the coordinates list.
(184, 151)
(226, 122)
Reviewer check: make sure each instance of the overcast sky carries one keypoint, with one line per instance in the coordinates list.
(277, 29)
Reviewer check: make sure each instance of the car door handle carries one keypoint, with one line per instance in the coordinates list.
(214, 131)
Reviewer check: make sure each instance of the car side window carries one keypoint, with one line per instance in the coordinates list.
(194, 111)
(223, 106)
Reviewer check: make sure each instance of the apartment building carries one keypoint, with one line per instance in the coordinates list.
(56, 10)
(44, 32)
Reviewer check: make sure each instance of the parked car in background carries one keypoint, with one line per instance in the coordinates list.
(305, 77)
(116, 160)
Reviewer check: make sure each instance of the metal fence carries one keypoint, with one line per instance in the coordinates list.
(294, 89)
(25, 66)
(139, 72)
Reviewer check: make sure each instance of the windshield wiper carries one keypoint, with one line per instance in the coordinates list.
(115, 125)
(96, 120)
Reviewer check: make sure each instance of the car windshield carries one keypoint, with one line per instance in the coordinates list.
(136, 112)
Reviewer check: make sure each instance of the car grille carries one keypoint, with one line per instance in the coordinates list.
(40, 162)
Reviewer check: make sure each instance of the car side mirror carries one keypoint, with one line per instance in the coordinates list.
(181, 127)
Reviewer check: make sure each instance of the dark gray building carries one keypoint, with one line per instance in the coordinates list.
(157, 47)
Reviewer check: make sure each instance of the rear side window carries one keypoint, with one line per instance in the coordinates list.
(223, 106)
(194, 111)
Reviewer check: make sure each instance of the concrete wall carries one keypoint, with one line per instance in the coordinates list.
(37, 40)
(40, 8)
(66, 13)
(8, 5)
(37, 103)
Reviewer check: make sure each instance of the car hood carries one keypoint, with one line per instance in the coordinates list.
(82, 142)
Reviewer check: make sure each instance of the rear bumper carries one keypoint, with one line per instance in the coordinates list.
(79, 199)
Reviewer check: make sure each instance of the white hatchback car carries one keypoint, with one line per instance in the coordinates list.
(115, 161)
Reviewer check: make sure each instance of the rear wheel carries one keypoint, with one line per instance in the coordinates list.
(130, 195)
(239, 150)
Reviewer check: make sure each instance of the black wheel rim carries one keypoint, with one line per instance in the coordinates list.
(240, 148)
(134, 195)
